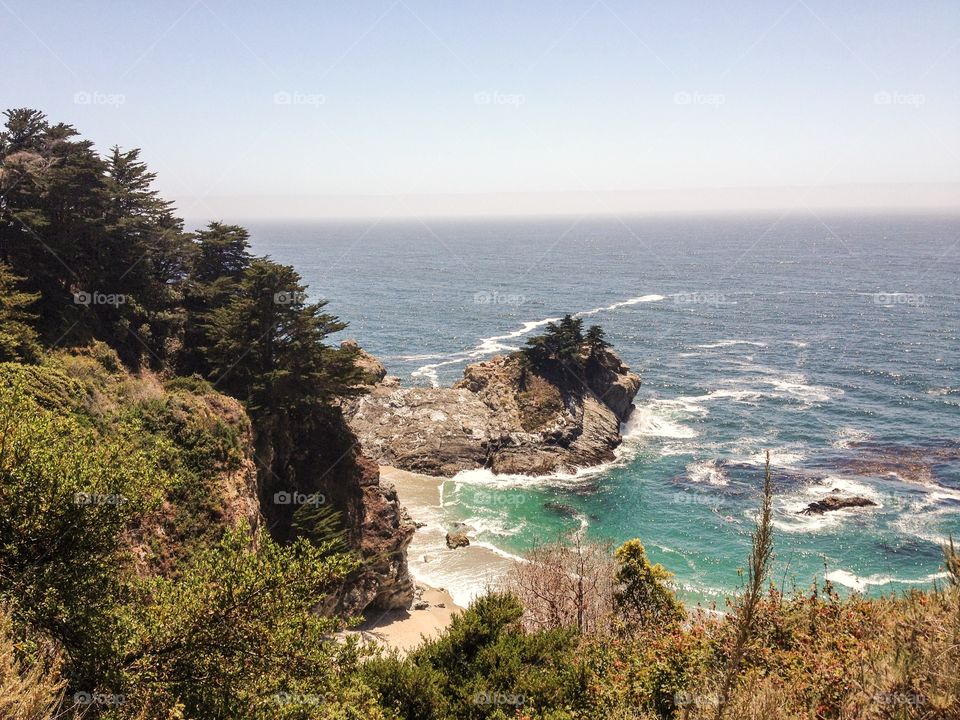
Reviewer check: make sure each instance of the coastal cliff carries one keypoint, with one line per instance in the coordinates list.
(320, 464)
(224, 474)
(504, 414)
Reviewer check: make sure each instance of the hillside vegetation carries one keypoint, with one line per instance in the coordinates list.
(164, 395)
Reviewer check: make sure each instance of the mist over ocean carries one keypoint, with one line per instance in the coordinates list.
(832, 341)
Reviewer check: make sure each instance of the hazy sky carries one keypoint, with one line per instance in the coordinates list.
(423, 98)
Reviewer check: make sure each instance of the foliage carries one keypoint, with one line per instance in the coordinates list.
(643, 595)
(483, 666)
(267, 344)
(595, 340)
(80, 227)
(566, 583)
(18, 339)
(761, 555)
(102, 256)
(30, 682)
(560, 343)
(242, 620)
(238, 612)
(66, 495)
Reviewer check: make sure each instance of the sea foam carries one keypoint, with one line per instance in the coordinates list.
(496, 343)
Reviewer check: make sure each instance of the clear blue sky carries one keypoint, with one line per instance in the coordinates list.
(463, 96)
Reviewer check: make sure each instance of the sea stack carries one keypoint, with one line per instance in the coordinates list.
(505, 414)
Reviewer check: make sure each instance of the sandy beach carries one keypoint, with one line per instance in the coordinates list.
(446, 579)
(465, 572)
(404, 630)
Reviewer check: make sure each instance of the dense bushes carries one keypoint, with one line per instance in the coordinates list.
(483, 666)
(228, 632)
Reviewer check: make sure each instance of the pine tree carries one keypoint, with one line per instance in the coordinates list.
(596, 340)
(268, 344)
(220, 255)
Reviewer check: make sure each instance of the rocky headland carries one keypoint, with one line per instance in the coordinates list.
(505, 414)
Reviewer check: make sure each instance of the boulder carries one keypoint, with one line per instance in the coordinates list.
(373, 370)
(457, 539)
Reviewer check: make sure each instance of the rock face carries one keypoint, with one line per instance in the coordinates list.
(836, 502)
(322, 458)
(385, 531)
(502, 415)
(373, 370)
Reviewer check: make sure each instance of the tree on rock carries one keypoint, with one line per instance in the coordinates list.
(596, 340)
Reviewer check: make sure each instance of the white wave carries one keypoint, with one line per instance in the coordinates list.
(798, 343)
(706, 471)
(848, 436)
(624, 303)
(783, 457)
(753, 451)
(498, 551)
(484, 477)
(498, 528)
(793, 522)
(737, 395)
(731, 343)
(789, 507)
(644, 421)
(795, 386)
(835, 484)
(925, 526)
(859, 583)
(704, 590)
(495, 344)
(429, 372)
(411, 358)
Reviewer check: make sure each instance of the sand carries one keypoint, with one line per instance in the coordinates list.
(404, 630)
(465, 572)
(447, 579)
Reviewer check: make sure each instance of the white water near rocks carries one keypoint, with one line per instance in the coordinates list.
(749, 335)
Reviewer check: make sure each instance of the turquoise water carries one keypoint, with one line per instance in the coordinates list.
(830, 341)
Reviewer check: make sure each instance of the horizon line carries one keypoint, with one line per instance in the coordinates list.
(880, 198)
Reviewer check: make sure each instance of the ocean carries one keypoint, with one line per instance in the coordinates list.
(830, 340)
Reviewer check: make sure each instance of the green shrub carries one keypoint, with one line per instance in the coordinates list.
(66, 496)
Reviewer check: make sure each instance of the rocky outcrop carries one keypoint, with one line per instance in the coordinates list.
(383, 582)
(373, 370)
(836, 502)
(502, 415)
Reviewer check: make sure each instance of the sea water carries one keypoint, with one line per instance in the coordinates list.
(829, 340)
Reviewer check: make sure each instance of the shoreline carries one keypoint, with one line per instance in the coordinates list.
(465, 572)
(446, 580)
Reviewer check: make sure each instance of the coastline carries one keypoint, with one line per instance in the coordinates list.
(465, 572)
(446, 580)
(405, 630)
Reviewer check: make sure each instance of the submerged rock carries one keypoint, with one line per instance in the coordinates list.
(836, 502)
(561, 508)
